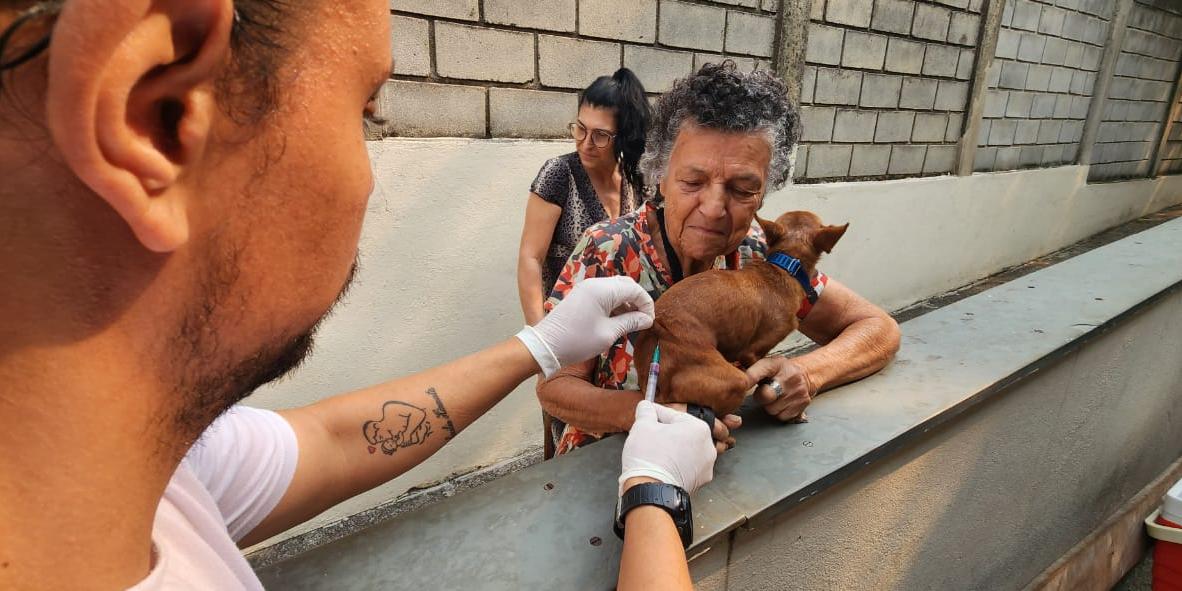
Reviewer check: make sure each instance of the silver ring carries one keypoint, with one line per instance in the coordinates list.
(776, 387)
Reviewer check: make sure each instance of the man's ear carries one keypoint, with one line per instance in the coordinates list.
(130, 102)
(826, 237)
(773, 231)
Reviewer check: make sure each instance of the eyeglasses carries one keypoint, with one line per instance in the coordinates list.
(599, 137)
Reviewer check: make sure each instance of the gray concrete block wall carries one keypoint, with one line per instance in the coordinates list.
(1138, 101)
(1040, 83)
(1171, 156)
(513, 68)
(886, 87)
(886, 83)
(457, 111)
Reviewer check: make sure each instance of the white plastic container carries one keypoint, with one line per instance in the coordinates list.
(1171, 504)
(1165, 526)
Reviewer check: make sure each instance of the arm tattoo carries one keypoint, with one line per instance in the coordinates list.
(403, 425)
(441, 413)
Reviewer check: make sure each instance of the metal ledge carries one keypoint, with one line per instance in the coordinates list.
(549, 524)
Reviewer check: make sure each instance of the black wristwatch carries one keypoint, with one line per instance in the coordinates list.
(669, 497)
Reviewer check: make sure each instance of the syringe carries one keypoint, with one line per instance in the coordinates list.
(654, 370)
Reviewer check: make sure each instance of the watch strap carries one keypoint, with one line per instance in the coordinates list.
(705, 413)
(673, 499)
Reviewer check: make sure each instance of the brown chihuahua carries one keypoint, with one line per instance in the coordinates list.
(713, 324)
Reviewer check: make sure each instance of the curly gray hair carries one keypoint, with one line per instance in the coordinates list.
(721, 97)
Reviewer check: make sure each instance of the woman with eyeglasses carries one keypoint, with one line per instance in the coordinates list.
(600, 180)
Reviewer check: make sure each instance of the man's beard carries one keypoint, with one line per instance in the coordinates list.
(208, 391)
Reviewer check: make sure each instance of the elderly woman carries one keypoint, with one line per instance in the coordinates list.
(719, 142)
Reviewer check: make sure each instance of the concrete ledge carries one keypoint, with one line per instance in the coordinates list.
(550, 524)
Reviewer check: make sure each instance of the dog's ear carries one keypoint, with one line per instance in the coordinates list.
(773, 231)
(826, 237)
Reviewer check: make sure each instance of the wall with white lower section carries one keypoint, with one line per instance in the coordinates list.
(439, 254)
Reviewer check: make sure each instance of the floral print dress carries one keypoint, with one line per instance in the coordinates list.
(625, 246)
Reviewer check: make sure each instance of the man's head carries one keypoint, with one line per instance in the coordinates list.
(185, 182)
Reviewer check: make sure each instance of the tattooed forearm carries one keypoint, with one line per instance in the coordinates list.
(441, 413)
(401, 425)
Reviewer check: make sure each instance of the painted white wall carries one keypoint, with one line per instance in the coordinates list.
(439, 255)
(913, 238)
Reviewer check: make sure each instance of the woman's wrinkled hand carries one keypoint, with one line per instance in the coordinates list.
(788, 402)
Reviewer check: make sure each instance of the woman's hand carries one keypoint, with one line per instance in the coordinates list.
(595, 314)
(795, 392)
(721, 432)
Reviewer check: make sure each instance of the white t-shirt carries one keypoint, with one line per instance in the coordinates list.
(231, 479)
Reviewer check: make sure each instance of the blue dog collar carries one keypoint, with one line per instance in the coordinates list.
(792, 266)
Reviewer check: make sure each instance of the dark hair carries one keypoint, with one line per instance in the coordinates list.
(256, 44)
(719, 96)
(623, 92)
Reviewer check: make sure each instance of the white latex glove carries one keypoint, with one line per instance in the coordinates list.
(582, 325)
(670, 446)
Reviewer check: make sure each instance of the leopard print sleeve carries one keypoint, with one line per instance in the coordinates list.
(553, 182)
